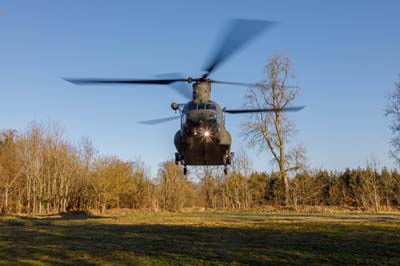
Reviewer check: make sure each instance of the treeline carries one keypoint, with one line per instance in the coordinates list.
(41, 172)
(363, 189)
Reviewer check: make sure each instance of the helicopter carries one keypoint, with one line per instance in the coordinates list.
(202, 138)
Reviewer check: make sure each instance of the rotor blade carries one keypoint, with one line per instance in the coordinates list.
(124, 81)
(239, 33)
(245, 84)
(243, 111)
(181, 87)
(159, 120)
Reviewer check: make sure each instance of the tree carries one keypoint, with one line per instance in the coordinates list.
(388, 184)
(82, 195)
(392, 110)
(174, 187)
(273, 130)
(236, 184)
(9, 167)
(139, 189)
(258, 185)
(110, 181)
(207, 176)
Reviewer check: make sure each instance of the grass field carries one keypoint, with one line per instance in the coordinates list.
(202, 239)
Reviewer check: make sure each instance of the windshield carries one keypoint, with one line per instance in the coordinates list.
(201, 106)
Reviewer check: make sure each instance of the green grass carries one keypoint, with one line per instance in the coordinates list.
(202, 239)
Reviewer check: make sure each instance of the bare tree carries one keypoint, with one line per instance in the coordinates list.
(273, 130)
(208, 176)
(236, 185)
(393, 111)
(139, 187)
(9, 167)
(173, 186)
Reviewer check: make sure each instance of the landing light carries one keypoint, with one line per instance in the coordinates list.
(207, 133)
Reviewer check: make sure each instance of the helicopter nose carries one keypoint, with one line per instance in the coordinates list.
(203, 117)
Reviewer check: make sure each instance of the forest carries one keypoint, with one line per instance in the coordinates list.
(42, 172)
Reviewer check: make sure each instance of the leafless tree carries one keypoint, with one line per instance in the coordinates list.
(174, 186)
(9, 168)
(273, 130)
(236, 184)
(208, 177)
(392, 110)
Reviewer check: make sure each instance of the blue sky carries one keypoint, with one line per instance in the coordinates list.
(345, 55)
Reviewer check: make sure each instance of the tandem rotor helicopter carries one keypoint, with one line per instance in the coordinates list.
(202, 138)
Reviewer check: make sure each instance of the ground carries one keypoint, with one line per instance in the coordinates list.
(202, 239)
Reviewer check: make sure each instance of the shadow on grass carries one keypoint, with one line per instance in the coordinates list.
(73, 215)
(92, 242)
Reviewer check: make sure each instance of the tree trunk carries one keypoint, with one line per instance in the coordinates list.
(6, 200)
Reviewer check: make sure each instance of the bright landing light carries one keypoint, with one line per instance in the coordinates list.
(207, 133)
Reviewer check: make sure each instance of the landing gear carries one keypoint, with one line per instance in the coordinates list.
(227, 160)
(230, 157)
(185, 170)
(177, 158)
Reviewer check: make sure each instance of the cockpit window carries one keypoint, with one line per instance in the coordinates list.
(211, 107)
(201, 106)
(191, 106)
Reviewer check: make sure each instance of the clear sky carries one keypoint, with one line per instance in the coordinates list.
(345, 55)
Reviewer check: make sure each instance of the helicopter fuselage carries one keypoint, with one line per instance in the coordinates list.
(202, 138)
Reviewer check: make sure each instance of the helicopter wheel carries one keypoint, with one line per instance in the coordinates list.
(230, 157)
(185, 170)
(177, 158)
(227, 160)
